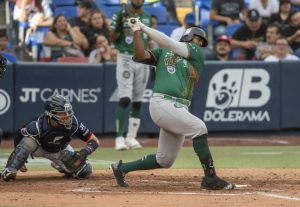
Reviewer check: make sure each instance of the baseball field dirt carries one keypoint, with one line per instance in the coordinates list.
(167, 187)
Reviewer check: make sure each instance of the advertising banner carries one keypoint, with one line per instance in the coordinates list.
(111, 101)
(7, 99)
(82, 85)
(231, 96)
(290, 99)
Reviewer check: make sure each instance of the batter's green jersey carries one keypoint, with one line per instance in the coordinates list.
(175, 75)
(125, 42)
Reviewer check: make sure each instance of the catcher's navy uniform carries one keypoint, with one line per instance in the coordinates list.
(55, 139)
(49, 137)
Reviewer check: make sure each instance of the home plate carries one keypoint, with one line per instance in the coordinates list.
(241, 186)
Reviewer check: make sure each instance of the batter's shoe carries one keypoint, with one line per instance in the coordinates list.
(132, 143)
(119, 175)
(120, 144)
(216, 183)
(9, 174)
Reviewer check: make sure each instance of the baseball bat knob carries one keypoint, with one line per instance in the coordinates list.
(132, 21)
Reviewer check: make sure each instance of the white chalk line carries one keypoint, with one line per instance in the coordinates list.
(272, 195)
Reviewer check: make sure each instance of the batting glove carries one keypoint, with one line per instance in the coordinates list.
(135, 24)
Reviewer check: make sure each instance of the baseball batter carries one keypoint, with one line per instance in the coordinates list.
(131, 77)
(179, 66)
(49, 137)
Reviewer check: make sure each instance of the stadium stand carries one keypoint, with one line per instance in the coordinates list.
(231, 28)
(159, 11)
(59, 3)
(166, 28)
(67, 11)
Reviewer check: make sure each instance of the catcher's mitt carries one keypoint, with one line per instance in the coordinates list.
(73, 161)
(3, 63)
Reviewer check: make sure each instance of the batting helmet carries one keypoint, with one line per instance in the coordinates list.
(59, 109)
(3, 63)
(194, 31)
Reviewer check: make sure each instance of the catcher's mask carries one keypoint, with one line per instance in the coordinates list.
(194, 31)
(59, 110)
(3, 63)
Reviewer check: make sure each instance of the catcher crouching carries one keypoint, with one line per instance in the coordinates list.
(49, 136)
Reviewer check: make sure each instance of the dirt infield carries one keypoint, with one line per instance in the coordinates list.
(163, 188)
(262, 188)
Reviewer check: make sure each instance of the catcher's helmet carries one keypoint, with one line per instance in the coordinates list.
(59, 109)
(3, 63)
(194, 31)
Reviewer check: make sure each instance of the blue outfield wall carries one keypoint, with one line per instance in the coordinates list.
(230, 96)
(7, 99)
(290, 95)
(82, 84)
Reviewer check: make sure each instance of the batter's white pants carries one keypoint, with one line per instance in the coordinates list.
(176, 123)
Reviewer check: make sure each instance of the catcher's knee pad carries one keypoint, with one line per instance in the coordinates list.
(165, 161)
(29, 143)
(124, 102)
(19, 156)
(84, 172)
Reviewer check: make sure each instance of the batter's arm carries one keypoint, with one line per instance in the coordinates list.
(179, 48)
(140, 54)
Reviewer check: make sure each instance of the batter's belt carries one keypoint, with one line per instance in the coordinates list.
(168, 97)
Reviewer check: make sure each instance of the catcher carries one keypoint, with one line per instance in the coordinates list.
(49, 137)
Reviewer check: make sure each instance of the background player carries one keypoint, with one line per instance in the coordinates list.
(131, 77)
(49, 137)
(178, 68)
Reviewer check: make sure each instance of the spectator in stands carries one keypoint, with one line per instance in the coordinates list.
(64, 40)
(227, 12)
(113, 54)
(84, 16)
(281, 51)
(293, 33)
(189, 21)
(283, 16)
(266, 47)
(102, 51)
(97, 27)
(222, 49)
(3, 42)
(247, 36)
(265, 8)
(36, 12)
(40, 15)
